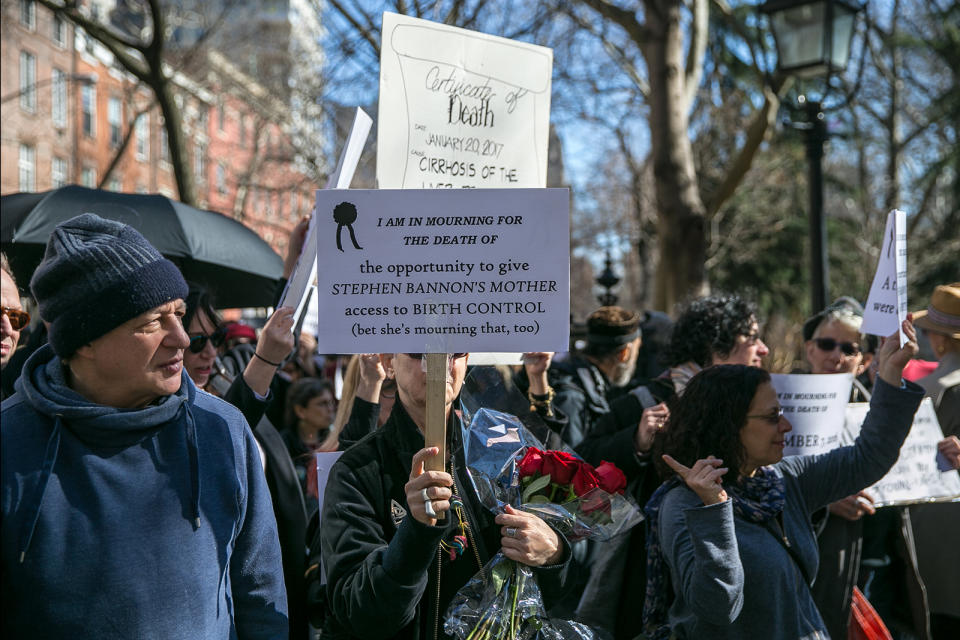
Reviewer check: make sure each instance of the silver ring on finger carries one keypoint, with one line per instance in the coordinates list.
(424, 495)
(428, 508)
(510, 532)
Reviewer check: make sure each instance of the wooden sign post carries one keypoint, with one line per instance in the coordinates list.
(436, 429)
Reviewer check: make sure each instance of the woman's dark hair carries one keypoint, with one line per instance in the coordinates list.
(706, 420)
(300, 393)
(710, 326)
(199, 299)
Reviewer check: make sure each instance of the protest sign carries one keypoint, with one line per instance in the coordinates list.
(815, 405)
(915, 477)
(324, 462)
(460, 108)
(886, 306)
(305, 272)
(443, 271)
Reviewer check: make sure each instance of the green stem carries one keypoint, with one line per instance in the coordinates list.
(518, 577)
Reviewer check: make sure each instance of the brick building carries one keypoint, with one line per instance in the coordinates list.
(72, 116)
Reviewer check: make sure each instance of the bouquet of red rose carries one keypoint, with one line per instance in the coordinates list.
(507, 465)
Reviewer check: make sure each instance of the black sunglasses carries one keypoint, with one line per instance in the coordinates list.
(829, 344)
(199, 343)
(419, 356)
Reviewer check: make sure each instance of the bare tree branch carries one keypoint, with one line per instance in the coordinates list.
(699, 31)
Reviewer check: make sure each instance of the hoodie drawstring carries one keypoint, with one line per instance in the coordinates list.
(194, 452)
(49, 460)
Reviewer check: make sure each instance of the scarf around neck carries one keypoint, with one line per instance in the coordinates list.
(757, 499)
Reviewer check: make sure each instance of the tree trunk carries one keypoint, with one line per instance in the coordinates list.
(680, 211)
(179, 156)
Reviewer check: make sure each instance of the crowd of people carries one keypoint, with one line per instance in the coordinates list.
(159, 478)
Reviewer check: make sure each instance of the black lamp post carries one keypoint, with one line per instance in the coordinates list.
(813, 39)
(608, 280)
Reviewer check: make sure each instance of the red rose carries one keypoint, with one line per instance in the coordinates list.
(612, 479)
(560, 466)
(585, 480)
(531, 463)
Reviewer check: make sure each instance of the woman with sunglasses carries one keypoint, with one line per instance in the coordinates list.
(250, 391)
(731, 551)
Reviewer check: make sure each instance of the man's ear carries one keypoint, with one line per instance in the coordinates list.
(85, 352)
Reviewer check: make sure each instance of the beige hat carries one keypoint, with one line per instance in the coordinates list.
(943, 314)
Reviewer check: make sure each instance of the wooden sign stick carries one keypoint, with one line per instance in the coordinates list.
(436, 431)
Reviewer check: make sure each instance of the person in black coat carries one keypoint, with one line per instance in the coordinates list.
(388, 568)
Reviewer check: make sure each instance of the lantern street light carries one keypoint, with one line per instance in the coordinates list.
(813, 39)
(608, 280)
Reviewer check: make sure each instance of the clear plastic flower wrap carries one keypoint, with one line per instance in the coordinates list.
(507, 464)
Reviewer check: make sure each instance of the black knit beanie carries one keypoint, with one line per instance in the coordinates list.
(95, 275)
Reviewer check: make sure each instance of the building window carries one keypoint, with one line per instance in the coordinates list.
(243, 131)
(58, 98)
(28, 168)
(28, 14)
(58, 172)
(88, 99)
(28, 81)
(200, 161)
(115, 119)
(59, 32)
(88, 177)
(141, 189)
(143, 137)
(164, 150)
(221, 116)
(221, 179)
(115, 184)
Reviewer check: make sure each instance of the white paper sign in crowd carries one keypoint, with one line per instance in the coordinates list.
(443, 270)
(915, 477)
(460, 108)
(886, 306)
(815, 405)
(305, 272)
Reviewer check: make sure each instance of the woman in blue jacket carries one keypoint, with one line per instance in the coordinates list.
(730, 531)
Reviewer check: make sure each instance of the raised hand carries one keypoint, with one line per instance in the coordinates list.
(651, 421)
(704, 478)
(427, 486)
(536, 364)
(276, 339)
(892, 358)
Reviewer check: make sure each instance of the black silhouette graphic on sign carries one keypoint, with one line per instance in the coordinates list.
(345, 213)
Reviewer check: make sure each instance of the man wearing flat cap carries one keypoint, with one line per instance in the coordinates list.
(586, 383)
(134, 505)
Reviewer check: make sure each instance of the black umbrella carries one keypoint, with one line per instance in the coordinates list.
(239, 268)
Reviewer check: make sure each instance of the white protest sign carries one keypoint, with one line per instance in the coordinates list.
(815, 406)
(440, 271)
(460, 108)
(886, 306)
(305, 272)
(915, 477)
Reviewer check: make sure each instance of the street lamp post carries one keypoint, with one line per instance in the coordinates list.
(813, 39)
(608, 280)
